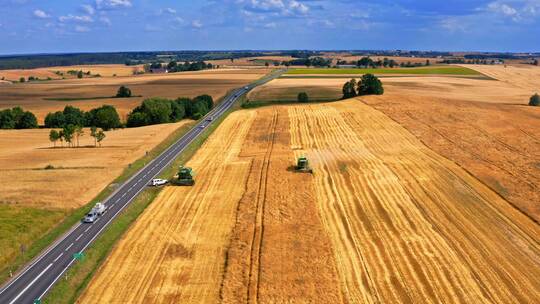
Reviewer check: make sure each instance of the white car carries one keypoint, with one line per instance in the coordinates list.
(210, 118)
(159, 182)
(90, 217)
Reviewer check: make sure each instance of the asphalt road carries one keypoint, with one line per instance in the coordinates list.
(37, 278)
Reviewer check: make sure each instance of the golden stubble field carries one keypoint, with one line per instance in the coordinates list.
(81, 172)
(382, 219)
(32, 96)
(483, 125)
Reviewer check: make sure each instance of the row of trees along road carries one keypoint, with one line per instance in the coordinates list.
(70, 132)
(17, 118)
(160, 110)
(369, 84)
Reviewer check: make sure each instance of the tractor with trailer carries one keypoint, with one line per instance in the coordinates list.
(302, 165)
(184, 177)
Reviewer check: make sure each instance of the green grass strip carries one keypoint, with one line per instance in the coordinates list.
(431, 70)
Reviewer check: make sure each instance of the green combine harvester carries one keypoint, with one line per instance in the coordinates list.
(184, 177)
(302, 165)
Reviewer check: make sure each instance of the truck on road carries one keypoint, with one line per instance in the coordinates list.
(97, 211)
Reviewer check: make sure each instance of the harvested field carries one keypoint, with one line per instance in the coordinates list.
(31, 96)
(24, 154)
(188, 229)
(382, 219)
(495, 142)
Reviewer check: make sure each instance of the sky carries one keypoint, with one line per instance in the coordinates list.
(62, 26)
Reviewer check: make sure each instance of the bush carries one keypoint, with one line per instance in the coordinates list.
(349, 89)
(123, 92)
(22, 79)
(535, 100)
(370, 85)
(303, 97)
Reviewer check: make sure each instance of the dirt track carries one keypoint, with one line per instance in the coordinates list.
(383, 219)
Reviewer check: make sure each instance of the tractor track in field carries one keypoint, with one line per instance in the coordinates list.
(258, 229)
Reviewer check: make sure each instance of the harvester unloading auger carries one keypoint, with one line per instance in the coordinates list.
(302, 165)
(184, 177)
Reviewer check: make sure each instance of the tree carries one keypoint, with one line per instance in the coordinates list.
(123, 92)
(73, 116)
(54, 136)
(61, 137)
(93, 133)
(105, 117)
(535, 62)
(26, 121)
(266, 64)
(100, 136)
(55, 120)
(535, 100)
(79, 132)
(68, 132)
(349, 89)
(22, 79)
(303, 97)
(80, 74)
(370, 85)
(137, 119)
(428, 62)
(7, 121)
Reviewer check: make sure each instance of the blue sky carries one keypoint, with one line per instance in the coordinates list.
(31, 26)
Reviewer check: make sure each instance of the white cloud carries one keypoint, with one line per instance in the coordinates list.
(170, 10)
(298, 8)
(179, 20)
(105, 20)
(88, 9)
(41, 14)
(74, 18)
(279, 7)
(271, 25)
(523, 10)
(82, 29)
(112, 4)
(196, 24)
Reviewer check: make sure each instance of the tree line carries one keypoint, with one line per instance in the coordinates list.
(174, 67)
(70, 133)
(369, 84)
(17, 118)
(161, 110)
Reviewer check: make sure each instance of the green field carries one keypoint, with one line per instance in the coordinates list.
(430, 70)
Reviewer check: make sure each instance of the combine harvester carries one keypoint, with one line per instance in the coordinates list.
(302, 165)
(184, 177)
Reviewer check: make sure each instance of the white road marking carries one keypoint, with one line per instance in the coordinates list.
(30, 285)
(79, 237)
(86, 230)
(69, 247)
(61, 254)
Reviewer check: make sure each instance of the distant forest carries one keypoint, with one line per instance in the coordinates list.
(131, 58)
(134, 58)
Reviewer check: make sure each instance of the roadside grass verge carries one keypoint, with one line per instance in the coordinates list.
(36, 247)
(431, 70)
(68, 289)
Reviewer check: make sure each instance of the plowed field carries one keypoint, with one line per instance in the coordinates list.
(383, 219)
